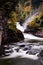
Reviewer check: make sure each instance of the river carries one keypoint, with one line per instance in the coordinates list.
(24, 52)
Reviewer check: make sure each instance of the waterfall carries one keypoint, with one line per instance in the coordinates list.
(29, 20)
(22, 28)
(31, 51)
(18, 26)
(24, 25)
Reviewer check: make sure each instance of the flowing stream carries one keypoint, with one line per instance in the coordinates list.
(24, 52)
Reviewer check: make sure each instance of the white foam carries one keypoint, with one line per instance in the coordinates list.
(21, 54)
(38, 47)
(30, 37)
(18, 26)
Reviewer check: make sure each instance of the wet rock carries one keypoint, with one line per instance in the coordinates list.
(25, 49)
(22, 45)
(13, 36)
(5, 51)
(27, 52)
(21, 22)
(20, 35)
(17, 50)
(30, 30)
(39, 33)
(27, 30)
(41, 54)
(31, 52)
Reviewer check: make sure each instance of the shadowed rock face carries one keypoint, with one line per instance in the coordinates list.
(41, 54)
(39, 33)
(5, 29)
(14, 36)
(3, 24)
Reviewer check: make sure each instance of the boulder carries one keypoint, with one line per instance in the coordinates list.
(27, 30)
(41, 54)
(13, 37)
(30, 30)
(39, 33)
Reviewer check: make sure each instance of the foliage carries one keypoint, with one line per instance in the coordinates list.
(23, 9)
(31, 24)
(13, 16)
(18, 6)
(18, 10)
(34, 22)
(12, 21)
(23, 16)
(27, 9)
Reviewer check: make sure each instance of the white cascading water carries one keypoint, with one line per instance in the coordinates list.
(29, 20)
(18, 26)
(22, 53)
(22, 28)
(27, 36)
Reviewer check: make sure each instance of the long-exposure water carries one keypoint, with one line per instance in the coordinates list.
(24, 52)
